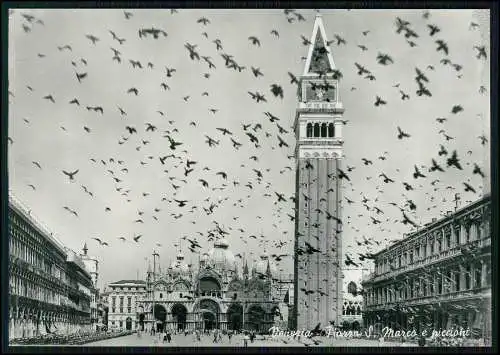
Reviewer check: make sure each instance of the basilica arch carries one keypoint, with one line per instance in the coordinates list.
(160, 315)
(256, 318)
(208, 312)
(181, 285)
(209, 286)
(179, 315)
(235, 316)
(160, 285)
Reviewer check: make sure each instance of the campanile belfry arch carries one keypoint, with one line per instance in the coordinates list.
(318, 222)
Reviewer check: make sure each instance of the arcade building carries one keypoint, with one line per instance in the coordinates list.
(439, 276)
(50, 289)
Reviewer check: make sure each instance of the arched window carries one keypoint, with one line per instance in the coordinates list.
(323, 130)
(309, 130)
(331, 130)
(358, 310)
(316, 130)
(208, 284)
(352, 288)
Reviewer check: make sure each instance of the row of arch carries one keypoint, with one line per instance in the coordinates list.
(320, 130)
(254, 318)
(25, 322)
(351, 309)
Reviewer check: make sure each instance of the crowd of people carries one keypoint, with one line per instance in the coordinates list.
(198, 335)
(77, 338)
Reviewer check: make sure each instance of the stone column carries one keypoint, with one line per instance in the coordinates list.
(473, 275)
(31, 325)
(16, 321)
(470, 319)
(28, 325)
(462, 277)
(483, 273)
(463, 319)
(13, 332)
(449, 319)
(41, 322)
(21, 325)
(11, 325)
(25, 325)
(18, 332)
(38, 321)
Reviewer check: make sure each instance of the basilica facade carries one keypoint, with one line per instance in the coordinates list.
(218, 293)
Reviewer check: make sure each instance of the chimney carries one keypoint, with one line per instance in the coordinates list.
(434, 219)
(448, 213)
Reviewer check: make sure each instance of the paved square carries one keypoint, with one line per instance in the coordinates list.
(207, 341)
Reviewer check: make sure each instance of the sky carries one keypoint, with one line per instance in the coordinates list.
(123, 171)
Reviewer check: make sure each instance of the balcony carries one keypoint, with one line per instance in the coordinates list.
(462, 295)
(320, 107)
(14, 260)
(213, 294)
(75, 292)
(320, 141)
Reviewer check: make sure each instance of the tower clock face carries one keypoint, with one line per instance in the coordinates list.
(318, 91)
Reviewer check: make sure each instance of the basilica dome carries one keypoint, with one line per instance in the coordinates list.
(179, 267)
(220, 257)
(261, 265)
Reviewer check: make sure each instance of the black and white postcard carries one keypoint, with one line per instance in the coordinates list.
(249, 177)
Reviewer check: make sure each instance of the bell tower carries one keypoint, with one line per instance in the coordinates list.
(318, 222)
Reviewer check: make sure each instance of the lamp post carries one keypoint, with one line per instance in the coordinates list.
(243, 313)
(155, 254)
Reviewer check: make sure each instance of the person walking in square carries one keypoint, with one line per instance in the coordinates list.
(245, 340)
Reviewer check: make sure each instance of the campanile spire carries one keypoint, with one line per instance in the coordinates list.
(319, 56)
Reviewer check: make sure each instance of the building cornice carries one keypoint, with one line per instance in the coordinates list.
(428, 228)
(18, 207)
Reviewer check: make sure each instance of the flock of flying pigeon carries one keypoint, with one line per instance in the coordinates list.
(257, 138)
